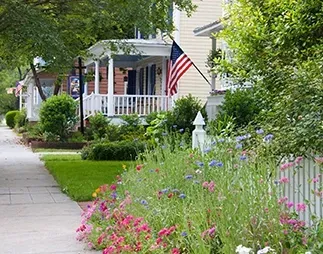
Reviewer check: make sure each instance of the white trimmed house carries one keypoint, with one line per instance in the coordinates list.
(144, 88)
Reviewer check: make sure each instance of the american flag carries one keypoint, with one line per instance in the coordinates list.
(178, 64)
(18, 88)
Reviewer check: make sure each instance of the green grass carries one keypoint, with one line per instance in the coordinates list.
(78, 178)
(41, 150)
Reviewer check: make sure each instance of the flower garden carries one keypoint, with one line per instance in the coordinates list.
(226, 199)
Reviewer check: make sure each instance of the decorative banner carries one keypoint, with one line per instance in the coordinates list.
(74, 86)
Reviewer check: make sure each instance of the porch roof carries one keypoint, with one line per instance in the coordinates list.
(209, 29)
(140, 48)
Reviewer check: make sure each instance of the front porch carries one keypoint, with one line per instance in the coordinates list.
(143, 88)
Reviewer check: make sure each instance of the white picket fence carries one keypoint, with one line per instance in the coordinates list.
(305, 178)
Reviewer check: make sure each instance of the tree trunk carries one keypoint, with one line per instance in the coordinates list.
(56, 88)
(37, 82)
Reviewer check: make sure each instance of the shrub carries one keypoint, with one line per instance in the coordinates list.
(58, 115)
(240, 104)
(98, 126)
(10, 118)
(123, 150)
(21, 119)
(185, 111)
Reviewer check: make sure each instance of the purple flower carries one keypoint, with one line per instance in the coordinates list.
(144, 202)
(200, 164)
(183, 234)
(175, 190)
(188, 177)
(213, 143)
(181, 130)
(212, 163)
(243, 157)
(260, 131)
(221, 140)
(219, 164)
(238, 146)
(196, 182)
(268, 138)
(182, 195)
(164, 190)
(207, 150)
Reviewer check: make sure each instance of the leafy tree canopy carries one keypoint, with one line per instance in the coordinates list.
(278, 47)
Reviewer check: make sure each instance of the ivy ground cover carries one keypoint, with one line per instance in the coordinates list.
(227, 200)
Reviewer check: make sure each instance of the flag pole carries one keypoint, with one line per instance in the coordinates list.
(193, 64)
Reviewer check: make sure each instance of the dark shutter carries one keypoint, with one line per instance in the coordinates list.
(147, 80)
(131, 82)
(152, 78)
(141, 81)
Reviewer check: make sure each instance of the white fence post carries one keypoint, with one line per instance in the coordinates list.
(199, 134)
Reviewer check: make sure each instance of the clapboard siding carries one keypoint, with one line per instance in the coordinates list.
(197, 48)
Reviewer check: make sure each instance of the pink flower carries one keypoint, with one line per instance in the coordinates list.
(113, 187)
(289, 205)
(284, 180)
(319, 160)
(205, 184)
(298, 159)
(282, 200)
(286, 166)
(300, 207)
(315, 180)
(176, 251)
(211, 186)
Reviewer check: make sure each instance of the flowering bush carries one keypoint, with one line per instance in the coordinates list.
(182, 201)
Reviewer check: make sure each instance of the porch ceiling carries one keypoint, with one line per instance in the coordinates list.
(143, 48)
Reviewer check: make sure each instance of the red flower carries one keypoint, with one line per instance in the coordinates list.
(176, 251)
(157, 170)
(170, 195)
(139, 167)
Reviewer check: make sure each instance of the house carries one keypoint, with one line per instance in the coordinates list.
(135, 82)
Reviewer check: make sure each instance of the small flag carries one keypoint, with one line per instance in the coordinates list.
(178, 64)
(18, 88)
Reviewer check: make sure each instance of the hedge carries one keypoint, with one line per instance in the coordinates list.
(123, 150)
(10, 118)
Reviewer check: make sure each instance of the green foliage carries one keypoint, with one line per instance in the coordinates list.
(76, 136)
(123, 150)
(152, 116)
(21, 119)
(185, 111)
(223, 126)
(10, 118)
(241, 105)
(58, 115)
(278, 49)
(98, 126)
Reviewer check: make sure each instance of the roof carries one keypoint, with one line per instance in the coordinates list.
(102, 49)
(209, 29)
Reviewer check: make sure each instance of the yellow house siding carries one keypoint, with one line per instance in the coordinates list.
(197, 48)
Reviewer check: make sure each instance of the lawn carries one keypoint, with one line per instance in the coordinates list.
(79, 178)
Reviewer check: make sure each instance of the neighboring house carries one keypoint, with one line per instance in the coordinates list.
(136, 83)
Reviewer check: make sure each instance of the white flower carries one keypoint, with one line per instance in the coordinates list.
(198, 171)
(243, 250)
(266, 250)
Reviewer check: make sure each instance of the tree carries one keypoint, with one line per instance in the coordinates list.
(8, 101)
(58, 31)
(278, 47)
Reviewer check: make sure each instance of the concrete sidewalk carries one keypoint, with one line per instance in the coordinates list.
(35, 216)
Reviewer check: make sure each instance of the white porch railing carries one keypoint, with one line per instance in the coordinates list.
(125, 104)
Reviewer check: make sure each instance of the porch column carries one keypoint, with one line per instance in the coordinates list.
(213, 75)
(85, 88)
(110, 88)
(97, 77)
(30, 100)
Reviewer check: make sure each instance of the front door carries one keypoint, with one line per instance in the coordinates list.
(131, 82)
